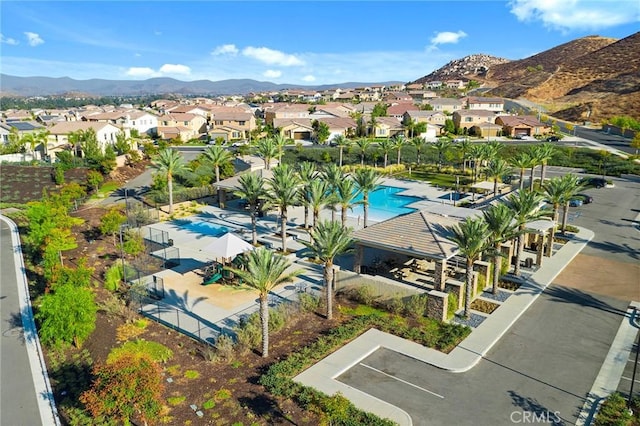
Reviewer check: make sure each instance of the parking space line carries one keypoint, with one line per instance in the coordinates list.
(629, 379)
(400, 380)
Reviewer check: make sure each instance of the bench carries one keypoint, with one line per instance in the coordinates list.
(213, 279)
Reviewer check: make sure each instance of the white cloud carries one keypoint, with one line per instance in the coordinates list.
(175, 69)
(140, 72)
(137, 55)
(33, 39)
(8, 40)
(272, 73)
(225, 49)
(447, 37)
(308, 78)
(271, 57)
(576, 14)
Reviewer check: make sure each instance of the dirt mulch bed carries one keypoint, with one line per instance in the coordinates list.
(484, 306)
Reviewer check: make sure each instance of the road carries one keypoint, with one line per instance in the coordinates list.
(538, 367)
(18, 402)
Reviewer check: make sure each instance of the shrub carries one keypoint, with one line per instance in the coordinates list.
(156, 351)
(222, 394)
(308, 302)
(613, 411)
(208, 404)
(224, 346)
(191, 374)
(452, 305)
(365, 294)
(416, 306)
(131, 330)
(395, 305)
(176, 400)
(112, 278)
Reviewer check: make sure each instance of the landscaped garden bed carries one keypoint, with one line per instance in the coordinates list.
(509, 285)
(484, 306)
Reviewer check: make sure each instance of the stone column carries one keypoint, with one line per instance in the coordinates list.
(540, 250)
(549, 248)
(437, 302)
(507, 251)
(439, 274)
(357, 259)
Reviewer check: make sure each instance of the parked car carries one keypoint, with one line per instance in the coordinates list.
(459, 139)
(597, 182)
(575, 202)
(520, 136)
(553, 138)
(586, 199)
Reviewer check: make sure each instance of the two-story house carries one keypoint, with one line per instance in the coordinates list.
(290, 111)
(58, 135)
(489, 104)
(436, 118)
(183, 126)
(231, 123)
(465, 119)
(446, 105)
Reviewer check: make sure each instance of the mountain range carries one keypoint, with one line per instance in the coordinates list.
(587, 79)
(48, 86)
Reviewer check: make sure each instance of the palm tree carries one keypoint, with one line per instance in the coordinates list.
(544, 153)
(495, 170)
(534, 155)
(307, 172)
(385, 146)
(521, 161)
(264, 271)
(252, 189)
(604, 156)
(572, 186)
(475, 155)
(363, 145)
(464, 147)
(502, 228)
(319, 196)
(333, 174)
(367, 180)
(398, 143)
(471, 236)
(328, 240)
(169, 163)
(280, 141)
(526, 207)
(441, 146)
(418, 143)
(267, 150)
(284, 193)
(346, 193)
(341, 142)
(217, 156)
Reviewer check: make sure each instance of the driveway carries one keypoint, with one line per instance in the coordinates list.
(538, 367)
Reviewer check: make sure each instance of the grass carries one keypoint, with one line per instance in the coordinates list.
(363, 310)
(191, 374)
(176, 400)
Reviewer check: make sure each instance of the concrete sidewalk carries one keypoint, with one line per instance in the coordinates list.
(464, 357)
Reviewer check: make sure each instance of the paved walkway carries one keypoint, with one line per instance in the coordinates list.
(464, 357)
(26, 397)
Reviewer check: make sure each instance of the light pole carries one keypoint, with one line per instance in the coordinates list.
(633, 375)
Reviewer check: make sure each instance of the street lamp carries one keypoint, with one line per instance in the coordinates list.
(124, 273)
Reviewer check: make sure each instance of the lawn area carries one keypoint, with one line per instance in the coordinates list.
(444, 180)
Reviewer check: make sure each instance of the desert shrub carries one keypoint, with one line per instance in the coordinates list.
(365, 294)
(248, 332)
(225, 346)
(131, 330)
(452, 305)
(191, 374)
(613, 412)
(222, 394)
(208, 404)
(176, 400)
(308, 302)
(395, 305)
(156, 351)
(416, 305)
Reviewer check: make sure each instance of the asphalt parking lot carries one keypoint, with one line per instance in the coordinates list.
(544, 366)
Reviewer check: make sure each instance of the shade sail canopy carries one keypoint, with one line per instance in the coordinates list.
(227, 247)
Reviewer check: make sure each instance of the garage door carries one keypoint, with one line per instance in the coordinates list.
(302, 135)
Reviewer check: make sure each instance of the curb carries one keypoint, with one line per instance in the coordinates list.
(44, 394)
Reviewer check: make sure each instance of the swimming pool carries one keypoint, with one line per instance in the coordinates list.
(205, 228)
(385, 203)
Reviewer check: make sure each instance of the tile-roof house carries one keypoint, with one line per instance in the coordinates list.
(292, 111)
(445, 104)
(58, 137)
(345, 126)
(522, 124)
(489, 104)
(386, 127)
(237, 122)
(183, 126)
(467, 118)
(421, 116)
(398, 110)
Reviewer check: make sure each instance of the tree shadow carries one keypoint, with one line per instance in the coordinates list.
(538, 412)
(616, 248)
(263, 406)
(578, 297)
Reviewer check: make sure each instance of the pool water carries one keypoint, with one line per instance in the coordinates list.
(205, 228)
(385, 203)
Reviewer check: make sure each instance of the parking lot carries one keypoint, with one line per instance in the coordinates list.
(538, 368)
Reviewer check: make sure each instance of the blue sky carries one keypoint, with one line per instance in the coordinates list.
(296, 42)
